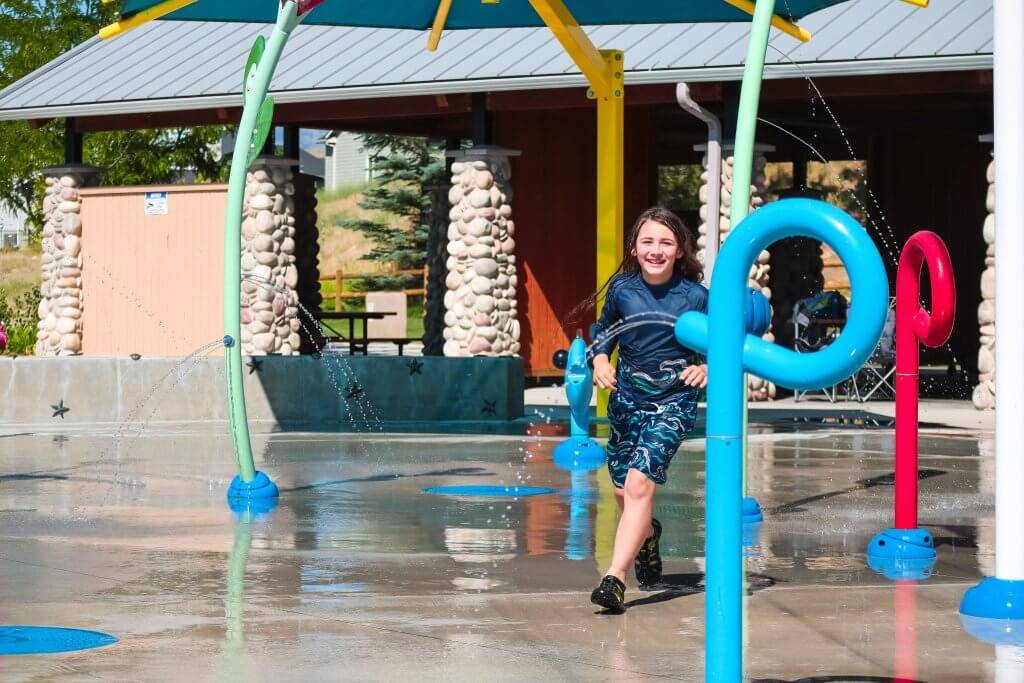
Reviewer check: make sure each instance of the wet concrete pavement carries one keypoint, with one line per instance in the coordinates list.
(360, 575)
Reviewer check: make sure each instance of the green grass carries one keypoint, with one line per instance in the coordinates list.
(341, 192)
(414, 319)
(19, 271)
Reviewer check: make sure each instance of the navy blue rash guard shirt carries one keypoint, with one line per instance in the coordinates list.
(646, 346)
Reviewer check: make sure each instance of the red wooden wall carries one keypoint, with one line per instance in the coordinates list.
(554, 209)
(935, 180)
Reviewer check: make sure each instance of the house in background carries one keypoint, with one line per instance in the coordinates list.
(312, 162)
(311, 153)
(13, 234)
(345, 160)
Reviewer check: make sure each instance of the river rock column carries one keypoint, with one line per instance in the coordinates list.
(480, 303)
(984, 396)
(269, 274)
(759, 389)
(60, 310)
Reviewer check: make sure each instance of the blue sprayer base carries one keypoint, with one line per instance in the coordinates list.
(579, 452)
(995, 599)
(751, 511)
(902, 544)
(258, 495)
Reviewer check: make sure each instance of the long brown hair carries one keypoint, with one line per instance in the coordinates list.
(686, 265)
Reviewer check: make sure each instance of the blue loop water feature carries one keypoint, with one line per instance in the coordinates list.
(39, 640)
(491, 491)
(731, 351)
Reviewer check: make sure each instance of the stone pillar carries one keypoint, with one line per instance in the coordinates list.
(269, 297)
(759, 389)
(307, 256)
(480, 304)
(60, 311)
(985, 393)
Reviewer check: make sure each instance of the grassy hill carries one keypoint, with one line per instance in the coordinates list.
(344, 250)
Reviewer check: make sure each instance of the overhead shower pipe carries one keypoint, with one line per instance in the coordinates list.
(714, 199)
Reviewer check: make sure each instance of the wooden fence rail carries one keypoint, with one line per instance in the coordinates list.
(339, 277)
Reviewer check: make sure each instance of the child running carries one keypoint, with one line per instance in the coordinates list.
(654, 389)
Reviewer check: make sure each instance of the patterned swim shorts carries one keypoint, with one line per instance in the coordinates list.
(647, 426)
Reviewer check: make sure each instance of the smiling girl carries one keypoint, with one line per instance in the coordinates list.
(654, 389)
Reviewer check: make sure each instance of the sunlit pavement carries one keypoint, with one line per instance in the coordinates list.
(360, 575)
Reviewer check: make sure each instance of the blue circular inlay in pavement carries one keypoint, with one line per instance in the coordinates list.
(36, 640)
(493, 491)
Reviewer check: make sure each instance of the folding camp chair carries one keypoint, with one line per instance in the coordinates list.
(875, 376)
(817, 321)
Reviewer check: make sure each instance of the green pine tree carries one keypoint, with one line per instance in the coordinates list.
(402, 168)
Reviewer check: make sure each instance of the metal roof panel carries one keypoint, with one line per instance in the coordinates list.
(176, 65)
(946, 27)
(847, 27)
(975, 37)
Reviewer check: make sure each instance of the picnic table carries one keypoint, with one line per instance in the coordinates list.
(352, 316)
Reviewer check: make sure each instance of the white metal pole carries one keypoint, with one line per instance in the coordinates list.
(713, 220)
(1008, 87)
(1009, 665)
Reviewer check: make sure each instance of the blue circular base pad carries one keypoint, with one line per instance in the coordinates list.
(37, 640)
(902, 544)
(492, 491)
(579, 454)
(995, 599)
(751, 511)
(256, 496)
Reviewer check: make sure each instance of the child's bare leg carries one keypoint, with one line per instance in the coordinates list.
(634, 524)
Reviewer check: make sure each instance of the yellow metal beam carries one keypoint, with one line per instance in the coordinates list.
(917, 3)
(784, 25)
(603, 70)
(610, 162)
(610, 180)
(145, 16)
(576, 43)
(443, 7)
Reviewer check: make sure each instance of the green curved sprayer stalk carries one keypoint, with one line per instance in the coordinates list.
(742, 172)
(746, 132)
(257, 112)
